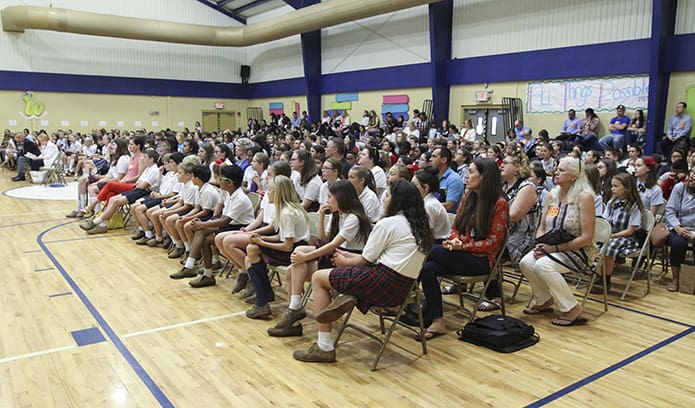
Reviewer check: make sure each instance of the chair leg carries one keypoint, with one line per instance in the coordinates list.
(306, 296)
(343, 325)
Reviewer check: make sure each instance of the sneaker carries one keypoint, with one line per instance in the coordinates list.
(87, 225)
(166, 242)
(260, 312)
(176, 252)
(137, 234)
(142, 240)
(249, 291)
(98, 229)
(202, 281)
(183, 273)
(152, 242)
(338, 307)
(74, 214)
(291, 331)
(290, 317)
(241, 282)
(86, 213)
(314, 355)
(185, 256)
(252, 299)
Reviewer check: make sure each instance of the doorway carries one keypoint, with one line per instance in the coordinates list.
(489, 119)
(219, 120)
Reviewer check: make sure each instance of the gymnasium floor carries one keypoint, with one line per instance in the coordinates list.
(96, 321)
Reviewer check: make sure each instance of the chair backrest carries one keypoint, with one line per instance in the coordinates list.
(647, 222)
(602, 231)
(255, 200)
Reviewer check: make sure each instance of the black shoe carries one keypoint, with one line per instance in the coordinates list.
(183, 273)
(270, 297)
(202, 281)
(18, 178)
(291, 331)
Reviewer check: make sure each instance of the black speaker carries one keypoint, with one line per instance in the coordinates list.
(245, 73)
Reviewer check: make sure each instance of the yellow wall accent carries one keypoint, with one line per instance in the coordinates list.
(372, 100)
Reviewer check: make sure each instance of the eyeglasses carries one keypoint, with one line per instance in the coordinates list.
(327, 168)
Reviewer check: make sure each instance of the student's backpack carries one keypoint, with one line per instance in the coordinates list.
(500, 333)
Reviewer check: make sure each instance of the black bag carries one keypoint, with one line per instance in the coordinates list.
(500, 333)
(555, 236)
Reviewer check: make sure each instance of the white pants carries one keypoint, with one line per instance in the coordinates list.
(545, 277)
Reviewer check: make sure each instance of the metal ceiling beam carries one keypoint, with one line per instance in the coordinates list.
(297, 4)
(224, 11)
(223, 3)
(249, 6)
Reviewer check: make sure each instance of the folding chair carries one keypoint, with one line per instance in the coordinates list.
(54, 171)
(602, 234)
(647, 224)
(469, 281)
(274, 271)
(255, 200)
(412, 297)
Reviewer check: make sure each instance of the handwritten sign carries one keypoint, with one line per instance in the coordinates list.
(601, 94)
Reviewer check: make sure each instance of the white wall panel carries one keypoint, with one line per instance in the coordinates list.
(489, 27)
(685, 17)
(392, 39)
(47, 51)
(275, 60)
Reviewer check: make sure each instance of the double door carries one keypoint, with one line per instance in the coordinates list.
(489, 122)
(219, 120)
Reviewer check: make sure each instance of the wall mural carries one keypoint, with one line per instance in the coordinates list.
(342, 102)
(397, 105)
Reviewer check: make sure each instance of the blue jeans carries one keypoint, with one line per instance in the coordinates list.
(679, 246)
(614, 140)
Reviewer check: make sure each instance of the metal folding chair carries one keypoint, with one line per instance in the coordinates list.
(641, 256)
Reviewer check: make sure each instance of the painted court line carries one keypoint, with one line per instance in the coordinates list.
(122, 349)
(629, 309)
(184, 324)
(35, 354)
(30, 251)
(60, 294)
(32, 213)
(33, 222)
(87, 237)
(554, 396)
(43, 269)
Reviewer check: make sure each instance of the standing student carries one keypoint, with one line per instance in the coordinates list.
(382, 275)
(349, 229)
(292, 225)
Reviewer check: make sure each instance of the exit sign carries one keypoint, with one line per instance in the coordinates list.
(219, 105)
(482, 96)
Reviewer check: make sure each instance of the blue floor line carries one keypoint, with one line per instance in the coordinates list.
(559, 394)
(629, 309)
(122, 349)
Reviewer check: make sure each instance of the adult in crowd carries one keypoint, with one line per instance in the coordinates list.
(450, 183)
(569, 206)
(520, 131)
(23, 147)
(617, 138)
(476, 237)
(680, 220)
(382, 275)
(572, 125)
(589, 131)
(677, 130)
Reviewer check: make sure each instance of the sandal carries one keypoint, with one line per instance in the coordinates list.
(672, 287)
(429, 335)
(488, 306)
(564, 321)
(536, 309)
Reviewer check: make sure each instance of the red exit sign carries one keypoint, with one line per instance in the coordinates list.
(482, 96)
(219, 105)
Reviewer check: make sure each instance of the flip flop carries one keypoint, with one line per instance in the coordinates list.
(429, 335)
(563, 321)
(487, 306)
(533, 310)
(449, 289)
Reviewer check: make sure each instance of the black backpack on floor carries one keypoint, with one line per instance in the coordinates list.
(500, 333)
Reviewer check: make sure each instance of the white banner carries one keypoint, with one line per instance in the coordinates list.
(601, 94)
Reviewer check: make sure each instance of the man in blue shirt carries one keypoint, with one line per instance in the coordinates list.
(571, 125)
(618, 127)
(450, 183)
(678, 129)
(520, 130)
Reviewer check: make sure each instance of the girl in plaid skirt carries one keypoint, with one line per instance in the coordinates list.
(624, 213)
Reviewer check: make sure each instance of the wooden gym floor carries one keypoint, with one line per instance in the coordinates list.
(96, 321)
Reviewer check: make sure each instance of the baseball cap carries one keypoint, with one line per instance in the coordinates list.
(620, 107)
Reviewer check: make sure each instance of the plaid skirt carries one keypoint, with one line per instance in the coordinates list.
(279, 258)
(372, 285)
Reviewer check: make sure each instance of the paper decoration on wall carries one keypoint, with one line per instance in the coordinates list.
(397, 105)
(12, 122)
(341, 105)
(84, 123)
(155, 123)
(64, 122)
(181, 123)
(297, 108)
(137, 123)
(102, 123)
(601, 94)
(32, 108)
(44, 123)
(277, 108)
(348, 97)
(120, 123)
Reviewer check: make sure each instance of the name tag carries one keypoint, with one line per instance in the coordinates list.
(553, 211)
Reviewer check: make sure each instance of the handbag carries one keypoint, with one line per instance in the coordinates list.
(659, 235)
(555, 236)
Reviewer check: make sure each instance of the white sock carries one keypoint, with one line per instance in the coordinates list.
(158, 238)
(179, 244)
(295, 301)
(325, 343)
(82, 201)
(140, 228)
(215, 259)
(98, 220)
(208, 272)
(103, 224)
(149, 234)
(190, 263)
(187, 245)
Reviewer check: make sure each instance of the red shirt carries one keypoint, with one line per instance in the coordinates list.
(491, 245)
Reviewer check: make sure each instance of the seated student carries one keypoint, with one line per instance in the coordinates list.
(309, 181)
(148, 181)
(427, 182)
(169, 187)
(476, 237)
(259, 176)
(363, 181)
(678, 173)
(382, 275)
(650, 193)
(292, 225)
(166, 217)
(624, 213)
(206, 200)
(237, 213)
(330, 172)
(349, 229)
(369, 158)
(594, 179)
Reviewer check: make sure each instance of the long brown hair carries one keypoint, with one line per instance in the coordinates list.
(477, 210)
(630, 184)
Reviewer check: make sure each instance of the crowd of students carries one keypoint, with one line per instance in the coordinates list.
(396, 202)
